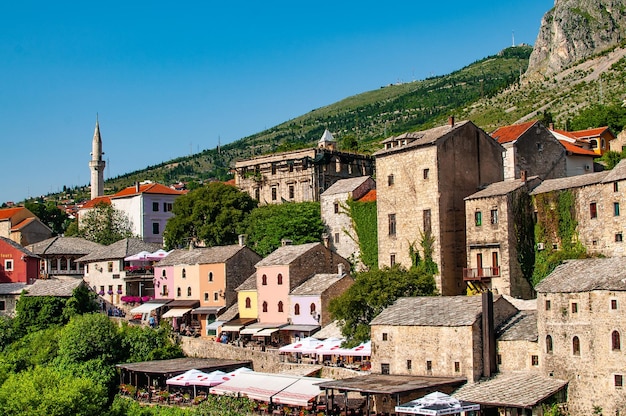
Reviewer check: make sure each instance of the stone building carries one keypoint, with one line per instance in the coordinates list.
(299, 175)
(423, 178)
(22, 226)
(59, 254)
(9, 295)
(494, 219)
(531, 148)
(581, 327)
(342, 236)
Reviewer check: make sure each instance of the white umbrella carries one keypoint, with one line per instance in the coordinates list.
(214, 378)
(158, 255)
(362, 350)
(436, 404)
(141, 256)
(304, 346)
(188, 378)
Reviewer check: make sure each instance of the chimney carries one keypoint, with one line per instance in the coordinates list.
(451, 121)
(242, 240)
(340, 270)
(191, 245)
(551, 126)
(490, 364)
(137, 187)
(326, 240)
(285, 242)
(523, 176)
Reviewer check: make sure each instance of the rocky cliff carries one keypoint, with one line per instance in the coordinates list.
(575, 30)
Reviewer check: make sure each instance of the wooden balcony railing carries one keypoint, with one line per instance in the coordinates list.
(483, 273)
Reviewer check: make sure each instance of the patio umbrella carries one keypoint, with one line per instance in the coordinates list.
(158, 255)
(214, 378)
(141, 256)
(238, 371)
(362, 350)
(188, 378)
(304, 346)
(436, 404)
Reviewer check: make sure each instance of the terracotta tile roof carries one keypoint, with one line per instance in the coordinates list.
(576, 150)
(230, 182)
(24, 223)
(577, 276)
(511, 133)
(515, 389)
(565, 133)
(148, 188)
(589, 133)
(7, 213)
(368, 197)
(93, 202)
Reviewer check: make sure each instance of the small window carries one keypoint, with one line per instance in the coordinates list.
(618, 380)
(280, 306)
(549, 347)
(614, 304)
(179, 293)
(409, 364)
(189, 291)
(264, 280)
(274, 193)
(8, 265)
(296, 309)
(279, 279)
(615, 187)
(156, 228)
(155, 206)
(2, 305)
(426, 221)
(292, 192)
(257, 194)
(264, 306)
(457, 367)
(494, 216)
(248, 303)
(392, 224)
(574, 307)
(184, 273)
(392, 260)
(548, 305)
(206, 296)
(385, 336)
(210, 276)
(534, 359)
(110, 267)
(616, 209)
(593, 210)
(478, 218)
(499, 356)
(167, 207)
(619, 237)
(273, 169)
(165, 291)
(312, 308)
(390, 180)
(429, 365)
(216, 296)
(616, 344)
(425, 173)
(336, 207)
(384, 368)
(163, 275)
(336, 238)
(575, 346)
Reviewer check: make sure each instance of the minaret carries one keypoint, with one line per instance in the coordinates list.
(97, 164)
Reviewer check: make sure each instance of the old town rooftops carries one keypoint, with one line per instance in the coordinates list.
(586, 275)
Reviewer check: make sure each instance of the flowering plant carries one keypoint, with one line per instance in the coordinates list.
(101, 292)
(109, 292)
(119, 291)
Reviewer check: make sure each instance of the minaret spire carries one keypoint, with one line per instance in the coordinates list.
(97, 164)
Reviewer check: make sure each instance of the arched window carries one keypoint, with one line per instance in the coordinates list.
(280, 306)
(279, 278)
(189, 291)
(296, 309)
(248, 303)
(264, 280)
(178, 292)
(184, 273)
(210, 276)
(549, 344)
(264, 306)
(575, 346)
(312, 308)
(616, 345)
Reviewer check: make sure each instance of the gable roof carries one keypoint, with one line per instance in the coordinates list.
(285, 255)
(513, 132)
(343, 186)
(12, 288)
(618, 173)
(63, 288)
(201, 255)
(248, 284)
(147, 188)
(27, 221)
(64, 245)
(119, 250)
(19, 247)
(586, 275)
(568, 182)
(520, 327)
(503, 188)
(591, 133)
(368, 197)
(577, 150)
(317, 284)
(7, 213)
(432, 311)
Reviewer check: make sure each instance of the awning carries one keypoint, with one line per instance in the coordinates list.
(302, 328)
(255, 386)
(265, 332)
(146, 307)
(214, 325)
(249, 331)
(231, 328)
(206, 310)
(300, 393)
(176, 312)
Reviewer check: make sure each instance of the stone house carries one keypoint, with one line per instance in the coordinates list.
(423, 178)
(299, 175)
(581, 327)
(59, 254)
(342, 236)
(9, 295)
(22, 226)
(494, 217)
(531, 148)
(619, 143)
(517, 343)
(17, 264)
(438, 336)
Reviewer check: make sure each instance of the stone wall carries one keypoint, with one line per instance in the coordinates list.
(517, 356)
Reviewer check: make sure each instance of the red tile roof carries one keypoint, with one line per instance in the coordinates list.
(570, 147)
(368, 197)
(97, 200)
(565, 133)
(511, 133)
(230, 182)
(7, 213)
(584, 134)
(148, 188)
(23, 223)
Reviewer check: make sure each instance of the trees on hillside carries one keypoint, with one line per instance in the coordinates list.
(211, 214)
(103, 224)
(49, 214)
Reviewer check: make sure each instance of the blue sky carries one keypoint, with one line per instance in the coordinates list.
(170, 79)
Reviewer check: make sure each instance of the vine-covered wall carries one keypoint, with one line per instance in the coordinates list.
(365, 222)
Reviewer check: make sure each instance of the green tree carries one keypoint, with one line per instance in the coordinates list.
(50, 214)
(211, 214)
(7, 335)
(36, 348)
(372, 292)
(140, 343)
(105, 225)
(33, 313)
(600, 115)
(267, 225)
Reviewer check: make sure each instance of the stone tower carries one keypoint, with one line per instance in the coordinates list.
(96, 164)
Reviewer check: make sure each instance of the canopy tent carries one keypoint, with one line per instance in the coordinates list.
(255, 386)
(362, 350)
(214, 378)
(188, 378)
(176, 312)
(330, 346)
(300, 393)
(147, 307)
(436, 404)
(239, 371)
(303, 346)
(141, 256)
(158, 255)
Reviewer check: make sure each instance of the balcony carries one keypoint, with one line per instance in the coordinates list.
(480, 274)
(138, 270)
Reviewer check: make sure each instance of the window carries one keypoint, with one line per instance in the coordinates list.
(457, 367)
(616, 209)
(110, 267)
(257, 194)
(478, 218)
(426, 217)
(279, 279)
(155, 206)
(336, 207)
(184, 273)
(593, 210)
(385, 336)
(619, 237)
(206, 296)
(618, 380)
(495, 264)
(102, 290)
(494, 216)
(336, 238)
(2, 305)
(264, 306)
(273, 169)
(216, 296)
(426, 172)
(575, 346)
(574, 307)
(292, 192)
(189, 291)
(409, 364)
(280, 306)
(499, 356)
(392, 260)
(384, 368)
(614, 304)
(615, 187)
(274, 193)
(549, 347)
(167, 207)
(534, 360)
(290, 166)
(429, 365)
(312, 308)
(8, 265)
(264, 280)
(165, 291)
(392, 224)
(390, 180)
(296, 309)
(119, 289)
(178, 292)
(163, 275)
(155, 228)
(248, 303)
(210, 276)
(616, 345)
